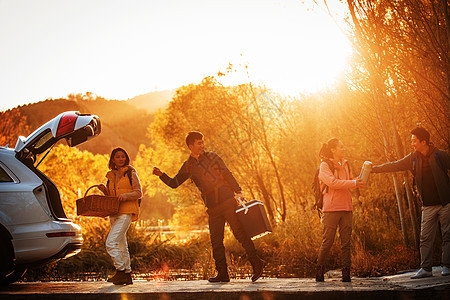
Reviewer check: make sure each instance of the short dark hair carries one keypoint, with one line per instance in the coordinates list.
(422, 134)
(111, 164)
(192, 136)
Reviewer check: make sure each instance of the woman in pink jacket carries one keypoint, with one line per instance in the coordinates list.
(336, 181)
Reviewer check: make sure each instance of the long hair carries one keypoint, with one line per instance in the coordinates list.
(325, 152)
(111, 164)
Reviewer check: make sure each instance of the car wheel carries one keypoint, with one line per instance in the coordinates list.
(9, 271)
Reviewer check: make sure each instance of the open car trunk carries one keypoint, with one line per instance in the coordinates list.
(72, 126)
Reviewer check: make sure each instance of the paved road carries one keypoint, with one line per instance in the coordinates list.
(391, 287)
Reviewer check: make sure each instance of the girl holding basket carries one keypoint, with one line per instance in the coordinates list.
(123, 182)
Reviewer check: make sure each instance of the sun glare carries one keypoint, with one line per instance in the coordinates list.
(162, 45)
(306, 56)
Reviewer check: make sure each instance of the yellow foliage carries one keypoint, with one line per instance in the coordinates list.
(12, 125)
(74, 171)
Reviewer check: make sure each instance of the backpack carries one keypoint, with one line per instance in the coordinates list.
(318, 192)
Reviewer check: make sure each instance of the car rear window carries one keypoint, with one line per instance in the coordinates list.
(4, 177)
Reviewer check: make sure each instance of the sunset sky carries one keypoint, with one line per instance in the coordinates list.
(121, 49)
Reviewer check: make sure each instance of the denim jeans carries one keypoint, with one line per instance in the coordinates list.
(331, 221)
(431, 215)
(218, 215)
(116, 243)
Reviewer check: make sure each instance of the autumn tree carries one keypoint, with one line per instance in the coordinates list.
(240, 123)
(12, 125)
(73, 171)
(400, 75)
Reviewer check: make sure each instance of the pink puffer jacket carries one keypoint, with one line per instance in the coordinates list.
(338, 196)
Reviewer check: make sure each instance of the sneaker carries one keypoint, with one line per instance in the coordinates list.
(320, 274)
(422, 273)
(445, 271)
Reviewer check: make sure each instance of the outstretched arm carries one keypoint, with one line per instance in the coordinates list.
(403, 164)
(174, 182)
(327, 177)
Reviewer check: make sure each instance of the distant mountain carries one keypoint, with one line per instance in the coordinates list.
(123, 124)
(152, 101)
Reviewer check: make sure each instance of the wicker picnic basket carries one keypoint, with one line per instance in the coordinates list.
(96, 205)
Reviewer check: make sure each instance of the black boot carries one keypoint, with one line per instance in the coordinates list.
(258, 266)
(222, 276)
(116, 274)
(123, 278)
(346, 274)
(320, 274)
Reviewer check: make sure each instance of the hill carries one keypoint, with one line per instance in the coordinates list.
(123, 124)
(152, 101)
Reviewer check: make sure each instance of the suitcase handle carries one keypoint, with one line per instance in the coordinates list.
(85, 194)
(243, 204)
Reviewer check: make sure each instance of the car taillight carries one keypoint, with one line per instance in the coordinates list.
(66, 124)
(60, 234)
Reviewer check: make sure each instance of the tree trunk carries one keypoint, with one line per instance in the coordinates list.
(375, 87)
(266, 147)
(409, 196)
(266, 198)
(444, 7)
(412, 211)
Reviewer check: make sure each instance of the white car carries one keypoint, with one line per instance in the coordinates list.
(34, 229)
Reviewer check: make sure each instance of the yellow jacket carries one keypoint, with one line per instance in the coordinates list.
(119, 184)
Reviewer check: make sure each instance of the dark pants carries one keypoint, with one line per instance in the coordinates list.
(331, 221)
(218, 215)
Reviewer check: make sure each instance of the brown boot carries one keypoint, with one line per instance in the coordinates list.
(112, 278)
(123, 278)
(222, 276)
(320, 274)
(258, 266)
(346, 274)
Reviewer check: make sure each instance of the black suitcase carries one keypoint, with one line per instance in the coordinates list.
(253, 218)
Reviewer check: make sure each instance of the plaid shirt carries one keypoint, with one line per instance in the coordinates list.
(211, 176)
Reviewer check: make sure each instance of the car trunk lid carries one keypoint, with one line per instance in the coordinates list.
(72, 126)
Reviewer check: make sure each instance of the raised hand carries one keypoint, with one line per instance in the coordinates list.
(157, 171)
